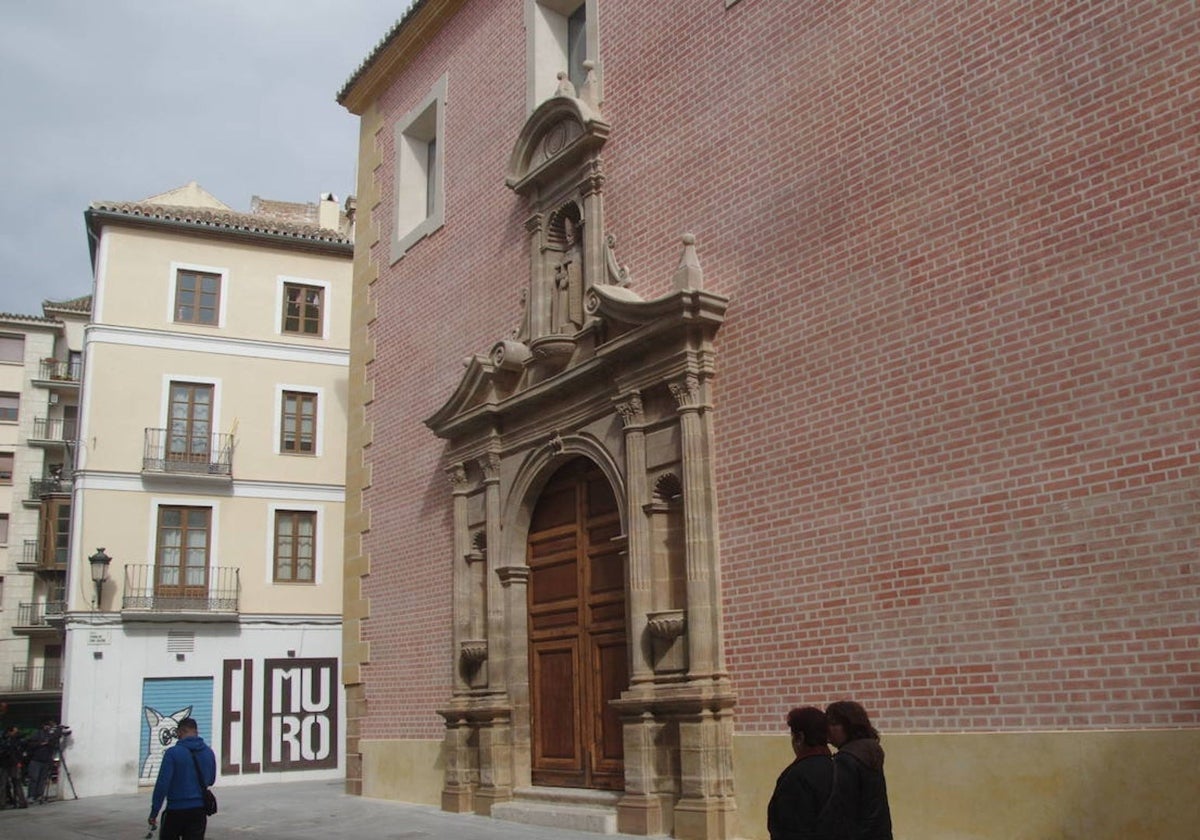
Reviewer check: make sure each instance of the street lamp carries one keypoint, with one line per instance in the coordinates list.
(99, 562)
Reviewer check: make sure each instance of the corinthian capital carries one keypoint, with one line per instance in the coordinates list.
(630, 409)
(686, 391)
(490, 464)
(457, 475)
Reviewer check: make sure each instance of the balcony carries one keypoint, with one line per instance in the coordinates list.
(29, 557)
(41, 487)
(36, 559)
(52, 431)
(36, 678)
(59, 372)
(39, 619)
(195, 594)
(208, 457)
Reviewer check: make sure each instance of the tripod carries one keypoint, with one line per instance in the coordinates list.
(62, 761)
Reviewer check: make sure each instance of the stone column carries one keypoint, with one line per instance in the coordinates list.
(461, 575)
(496, 635)
(703, 616)
(538, 303)
(638, 531)
(593, 225)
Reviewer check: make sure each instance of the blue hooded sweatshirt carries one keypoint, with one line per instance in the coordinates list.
(177, 780)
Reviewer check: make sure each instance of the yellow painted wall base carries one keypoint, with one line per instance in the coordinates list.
(1135, 785)
(1120, 785)
(408, 771)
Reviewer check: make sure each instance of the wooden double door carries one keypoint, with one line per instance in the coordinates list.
(577, 638)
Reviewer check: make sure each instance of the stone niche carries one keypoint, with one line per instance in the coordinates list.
(591, 371)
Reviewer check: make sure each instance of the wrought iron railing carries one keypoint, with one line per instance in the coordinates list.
(40, 614)
(39, 487)
(53, 428)
(172, 589)
(29, 556)
(59, 370)
(36, 678)
(172, 452)
(37, 557)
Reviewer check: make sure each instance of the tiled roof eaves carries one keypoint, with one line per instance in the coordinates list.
(31, 320)
(79, 304)
(413, 8)
(218, 223)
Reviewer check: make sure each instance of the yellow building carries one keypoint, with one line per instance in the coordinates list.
(209, 489)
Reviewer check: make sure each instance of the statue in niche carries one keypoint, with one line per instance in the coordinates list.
(566, 302)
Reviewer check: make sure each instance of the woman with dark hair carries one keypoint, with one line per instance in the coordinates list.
(801, 807)
(862, 789)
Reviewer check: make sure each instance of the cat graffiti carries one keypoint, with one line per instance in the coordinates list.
(162, 735)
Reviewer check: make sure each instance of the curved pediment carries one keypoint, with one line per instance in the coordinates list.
(558, 137)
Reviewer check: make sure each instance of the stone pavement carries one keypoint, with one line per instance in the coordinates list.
(280, 811)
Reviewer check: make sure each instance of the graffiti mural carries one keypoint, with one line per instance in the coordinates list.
(297, 721)
(165, 702)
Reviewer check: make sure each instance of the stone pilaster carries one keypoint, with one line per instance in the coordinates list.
(496, 630)
(629, 407)
(461, 575)
(699, 531)
(514, 584)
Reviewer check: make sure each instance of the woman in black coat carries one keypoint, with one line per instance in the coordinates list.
(800, 808)
(862, 789)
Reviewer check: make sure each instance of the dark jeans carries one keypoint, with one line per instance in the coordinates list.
(11, 792)
(39, 773)
(184, 824)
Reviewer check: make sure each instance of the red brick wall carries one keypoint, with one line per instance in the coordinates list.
(958, 413)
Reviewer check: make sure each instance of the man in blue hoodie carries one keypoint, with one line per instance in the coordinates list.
(179, 783)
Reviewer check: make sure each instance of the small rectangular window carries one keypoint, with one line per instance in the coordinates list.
(6, 467)
(12, 348)
(560, 36)
(197, 297)
(419, 170)
(9, 407)
(3, 529)
(295, 546)
(298, 423)
(303, 307)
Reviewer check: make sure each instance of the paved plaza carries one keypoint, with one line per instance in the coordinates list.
(283, 811)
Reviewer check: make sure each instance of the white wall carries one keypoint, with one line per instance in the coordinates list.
(108, 661)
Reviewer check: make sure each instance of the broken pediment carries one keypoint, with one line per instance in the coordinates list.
(557, 140)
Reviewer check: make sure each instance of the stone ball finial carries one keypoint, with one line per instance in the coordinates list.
(688, 239)
(589, 65)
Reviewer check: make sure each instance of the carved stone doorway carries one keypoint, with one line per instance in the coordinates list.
(578, 655)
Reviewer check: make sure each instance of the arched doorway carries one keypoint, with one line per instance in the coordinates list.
(578, 656)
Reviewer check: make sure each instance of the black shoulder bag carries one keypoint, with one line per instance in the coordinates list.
(210, 801)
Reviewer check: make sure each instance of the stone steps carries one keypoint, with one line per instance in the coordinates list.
(576, 809)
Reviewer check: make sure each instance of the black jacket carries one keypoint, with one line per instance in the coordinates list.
(862, 790)
(797, 810)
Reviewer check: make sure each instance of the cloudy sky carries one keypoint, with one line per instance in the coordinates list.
(122, 99)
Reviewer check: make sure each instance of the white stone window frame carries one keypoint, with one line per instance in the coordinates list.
(413, 217)
(318, 547)
(280, 303)
(318, 431)
(546, 46)
(173, 285)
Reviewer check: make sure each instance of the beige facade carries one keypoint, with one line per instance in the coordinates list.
(210, 471)
(39, 390)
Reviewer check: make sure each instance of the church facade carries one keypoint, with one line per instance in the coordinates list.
(710, 359)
